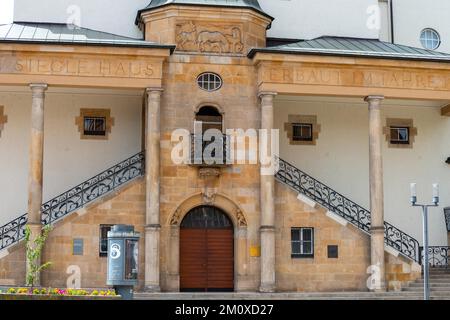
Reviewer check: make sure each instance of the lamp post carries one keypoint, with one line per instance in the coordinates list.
(426, 265)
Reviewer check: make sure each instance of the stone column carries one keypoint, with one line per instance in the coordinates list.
(152, 165)
(267, 194)
(376, 191)
(36, 161)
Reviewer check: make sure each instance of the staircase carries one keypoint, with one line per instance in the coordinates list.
(133, 167)
(76, 198)
(439, 284)
(330, 199)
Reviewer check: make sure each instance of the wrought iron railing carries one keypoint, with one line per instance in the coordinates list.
(210, 153)
(344, 207)
(77, 197)
(437, 256)
(447, 218)
(13, 231)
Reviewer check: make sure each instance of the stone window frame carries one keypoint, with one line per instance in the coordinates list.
(303, 119)
(303, 255)
(102, 237)
(97, 113)
(402, 123)
(3, 119)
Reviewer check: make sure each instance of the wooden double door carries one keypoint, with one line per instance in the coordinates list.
(206, 251)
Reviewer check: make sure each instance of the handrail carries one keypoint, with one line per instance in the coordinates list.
(77, 197)
(447, 218)
(344, 207)
(437, 256)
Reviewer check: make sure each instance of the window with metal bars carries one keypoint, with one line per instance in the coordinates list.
(302, 242)
(94, 126)
(399, 135)
(302, 131)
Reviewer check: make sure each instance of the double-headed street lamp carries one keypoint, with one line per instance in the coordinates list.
(425, 263)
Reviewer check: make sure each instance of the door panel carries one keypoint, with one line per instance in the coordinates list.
(193, 261)
(206, 251)
(220, 259)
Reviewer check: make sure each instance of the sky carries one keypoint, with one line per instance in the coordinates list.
(6, 11)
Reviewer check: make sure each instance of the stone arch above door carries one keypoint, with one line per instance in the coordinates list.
(221, 201)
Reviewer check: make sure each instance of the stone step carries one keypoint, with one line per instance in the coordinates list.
(440, 276)
(432, 288)
(404, 295)
(440, 270)
(432, 285)
(435, 280)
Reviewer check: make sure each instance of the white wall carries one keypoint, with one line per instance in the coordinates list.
(299, 19)
(412, 16)
(68, 160)
(307, 19)
(114, 16)
(340, 158)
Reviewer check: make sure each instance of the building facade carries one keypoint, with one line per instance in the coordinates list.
(93, 116)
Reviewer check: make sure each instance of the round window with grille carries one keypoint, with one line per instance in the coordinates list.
(209, 81)
(430, 39)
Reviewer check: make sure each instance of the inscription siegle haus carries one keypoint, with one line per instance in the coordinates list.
(78, 67)
(364, 78)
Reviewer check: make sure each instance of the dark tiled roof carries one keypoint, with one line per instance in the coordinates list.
(54, 33)
(340, 46)
(251, 4)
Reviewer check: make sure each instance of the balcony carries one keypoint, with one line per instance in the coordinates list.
(207, 152)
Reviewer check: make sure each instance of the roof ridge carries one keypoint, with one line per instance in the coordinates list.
(76, 27)
(61, 33)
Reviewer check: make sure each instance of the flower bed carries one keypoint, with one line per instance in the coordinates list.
(57, 294)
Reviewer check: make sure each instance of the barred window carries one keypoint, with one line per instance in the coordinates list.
(94, 126)
(399, 135)
(302, 242)
(302, 131)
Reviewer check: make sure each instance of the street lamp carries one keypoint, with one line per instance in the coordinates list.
(426, 265)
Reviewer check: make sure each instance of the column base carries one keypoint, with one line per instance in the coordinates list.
(152, 288)
(379, 290)
(267, 288)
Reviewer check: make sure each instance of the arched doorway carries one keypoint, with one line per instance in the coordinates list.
(206, 251)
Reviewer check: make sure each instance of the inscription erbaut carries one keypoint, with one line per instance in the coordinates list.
(357, 77)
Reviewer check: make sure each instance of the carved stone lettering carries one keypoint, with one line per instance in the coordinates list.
(427, 80)
(192, 36)
(123, 68)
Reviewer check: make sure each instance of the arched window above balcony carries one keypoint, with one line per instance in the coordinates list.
(209, 117)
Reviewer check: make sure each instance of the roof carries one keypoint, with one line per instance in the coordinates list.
(249, 4)
(56, 33)
(339, 46)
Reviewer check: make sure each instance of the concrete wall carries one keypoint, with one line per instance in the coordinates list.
(110, 16)
(340, 158)
(412, 16)
(302, 19)
(68, 160)
(297, 19)
(307, 19)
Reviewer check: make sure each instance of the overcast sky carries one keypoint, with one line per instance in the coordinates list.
(6, 11)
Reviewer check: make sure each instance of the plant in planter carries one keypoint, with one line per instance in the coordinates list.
(33, 253)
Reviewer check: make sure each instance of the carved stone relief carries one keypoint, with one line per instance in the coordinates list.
(193, 36)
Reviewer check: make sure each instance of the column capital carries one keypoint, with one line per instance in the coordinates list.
(262, 94)
(38, 86)
(373, 98)
(154, 90)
